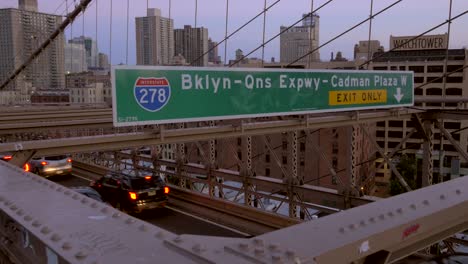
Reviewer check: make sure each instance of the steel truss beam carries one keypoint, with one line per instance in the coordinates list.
(379, 232)
(137, 139)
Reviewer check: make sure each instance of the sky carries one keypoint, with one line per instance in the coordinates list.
(406, 18)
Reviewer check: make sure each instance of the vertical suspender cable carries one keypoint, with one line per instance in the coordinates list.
(311, 37)
(83, 59)
(370, 32)
(110, 34)
(447, 53)
(226, 32)
(444, 95)
(126, 45)
(196, 12)
(263, 39)
(169, 37)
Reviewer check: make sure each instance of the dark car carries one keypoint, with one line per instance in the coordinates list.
(132, 194)
(88, 191)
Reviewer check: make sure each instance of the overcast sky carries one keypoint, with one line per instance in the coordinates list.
(409, 17)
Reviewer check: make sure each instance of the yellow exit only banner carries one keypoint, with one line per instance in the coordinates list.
(357, 97)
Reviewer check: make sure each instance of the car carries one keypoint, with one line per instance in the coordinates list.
(88, 191)
(132, 194)
(51, 165)
(6, 156)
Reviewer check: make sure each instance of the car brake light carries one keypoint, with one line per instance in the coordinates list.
(166, 190)
(133, 195)
(26, 167)
(147, 177)
(43, 163)
(7, 157)
(69, 160)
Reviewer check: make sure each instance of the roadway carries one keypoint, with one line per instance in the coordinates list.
(168, 218)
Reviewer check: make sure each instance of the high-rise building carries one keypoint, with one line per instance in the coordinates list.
(192, 43)
(75, 58)
(426, 57)
(154, 38)
(29, 5)
(103, 61)
(90, 46)
(213, 52)
(21, 32)
(366, 49)
(296, 42)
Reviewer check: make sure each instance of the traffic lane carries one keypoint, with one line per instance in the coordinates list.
(166, 218)
(183, 223)
(69, 180)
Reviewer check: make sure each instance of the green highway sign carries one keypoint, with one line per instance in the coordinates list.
(156, 95)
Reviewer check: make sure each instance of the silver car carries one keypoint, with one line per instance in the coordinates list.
(51, 165)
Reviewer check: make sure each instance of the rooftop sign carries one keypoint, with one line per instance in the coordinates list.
(157, 95)
(429, 42)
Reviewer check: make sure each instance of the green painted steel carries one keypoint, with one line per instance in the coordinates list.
(157, 95)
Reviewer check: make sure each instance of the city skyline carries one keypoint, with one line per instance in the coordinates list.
(335, 18)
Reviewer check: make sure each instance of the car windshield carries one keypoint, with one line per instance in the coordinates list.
(58, 157)
(141, 183)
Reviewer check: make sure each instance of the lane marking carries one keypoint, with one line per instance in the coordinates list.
(210, 222)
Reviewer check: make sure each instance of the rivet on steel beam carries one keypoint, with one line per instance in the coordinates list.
(105, 210)
(2, 198)
(27, 218)
(390, 214)
(80, 255)
(67, 192)
(362, 223)
(20, 212)
(290, 253)
(259, 251)
(442, 197)
(177, 239)
(84, 201)
(66, 246)
(75, 196)
(7, 202)
(399, 210)
(258, 242)
(130, 221)
(197, 248)
(273, 247)
(55, 237)
(159, 234)
(45, 230)
(413, 206)
(59, 189)
(276, 258)
(457, 191)
(243, 245)
(94, 205)
(143, 228)
(382, 217)
(116, 215)
(342, 230)
(36, 223)
(372, 220)
(351, 226)
(13, 207)
(426, 202)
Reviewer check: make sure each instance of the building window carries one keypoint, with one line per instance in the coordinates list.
(267, 158)
(267, 172)
(285, 160)
(302, 146)
(335, 162)
(335, 148)
(239, 155)
(285, 145)
(239, 141)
